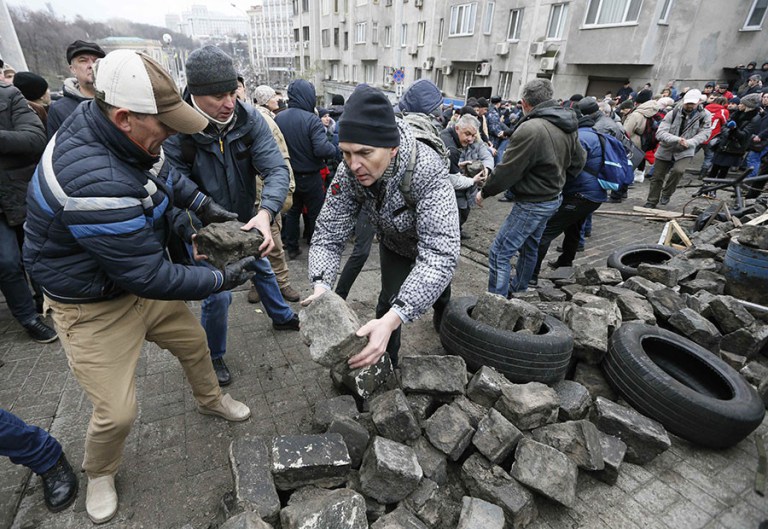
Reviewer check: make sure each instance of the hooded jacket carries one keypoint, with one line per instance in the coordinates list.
(695, 131)
(477, 151)
(62, 108)
(427, 233)
(304, 132)
(22, 141)
(543, 149)
(634, 125)
(720, 117)
(585, 183)
(737, 140)
(99, 218)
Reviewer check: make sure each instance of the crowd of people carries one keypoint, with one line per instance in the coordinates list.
(103, 191)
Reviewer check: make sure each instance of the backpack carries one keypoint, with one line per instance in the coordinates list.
(616, 168)
(648, 141)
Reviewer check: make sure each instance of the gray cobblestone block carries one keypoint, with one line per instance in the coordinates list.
(579, 440)
(422, 405)
(529, 406)
(754, 236)
(614, 450)
(479, 514)
(365, 381)
(390, 471)
(308, 493)
(556, 309)
(337, 407)
(636, 308)
(436, 374)
(449, 431)
(730, 315)
(393, 418)
(574, 400)
(590, 333)
(602, 275)
(696, 328)
(245, 520)
(432, 504)
(715, 234)
(735, 361)
(644, 437)
(491, 483)
(492, 310)
(475, 412)
(355, 436)
(225, 242)
(529, 296)
(762, 389)
(400, 518)
(746, 341)
(754, 372)
(641, 285)
(434, 463)
(341, 509)
(545, 470)
(485, 386)
(373, 509)
(583, 298)
(551, 294)
(703, 251)
(665, 302)
(328, 326)
(659, 273)
(496, 437)
(530, 318)
(299, 460)
(613, 293)
(255, 489)
(707, 284)
(572, 290)
(612, 313)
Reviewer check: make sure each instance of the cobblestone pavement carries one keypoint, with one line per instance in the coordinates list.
(175, 468)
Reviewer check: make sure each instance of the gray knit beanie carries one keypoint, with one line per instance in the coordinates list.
(210, 71)
(262, 94)
(751, 101)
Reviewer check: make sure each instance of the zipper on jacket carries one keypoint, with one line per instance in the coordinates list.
(221, 145)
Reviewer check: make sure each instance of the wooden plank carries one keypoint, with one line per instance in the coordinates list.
(681, 233)
(758, 220)
(658, 212)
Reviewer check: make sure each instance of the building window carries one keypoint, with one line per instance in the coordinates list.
(336, 6)
(387, 36)
(611, 12)
(466, 77)
(296, 35)
(403, 35)
(295, 4)
(360, 28)
(354, 73)
(326, 7)
(304, 6)
(375, 33)
(370, 73)
(346, 40)
(488, 20)
(421, 33)
(335, 71)
(326, 36)
(505, 84)
(388, 3)
(439, 78)
(440, 32)
(515, 24)
(386, 75)
(346, 72)
(305, 33)
(557, 16)
(756, 15)
(336, 37)
(463, 20)
(664, 15)
(306, 62)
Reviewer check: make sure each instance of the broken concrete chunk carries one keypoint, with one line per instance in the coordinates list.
(449, 431)
(754, 236)
(613, 293)
(393, 418)
(613, 455)
(390, 471)
(355, 436)
(641, 285)
(496, 437)
(547, 293)
(400, 518)
(479, 514)
(747, 342)
(574, 400)
(703, 251)
(365, 381)
(754, 372)
(659, 273)
(529, 296)
(572, 290)
(712, 285)
(337, 407)
(579, 440)
(735, 361)
(589, 326)
(636, 308)
(225, 242)
(545, 470)
(529, 406)
(299, 460)
(436, 374)
(474, 412)
(249, 459)
(485, 386)
(433, 505)
(328, 326)
(715, 234)
(730, 315)
(340, 509)
(556, 309)
(696, 328)
(422, 405)
(490, 309)
(644, 437)
(602, 275)
(665, 302)
(433, 462)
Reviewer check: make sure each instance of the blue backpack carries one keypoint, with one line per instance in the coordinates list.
(616, 169)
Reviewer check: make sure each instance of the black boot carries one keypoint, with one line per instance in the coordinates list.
(59, 485)
(222, 372)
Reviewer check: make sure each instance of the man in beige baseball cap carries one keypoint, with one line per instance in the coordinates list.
(99, 209)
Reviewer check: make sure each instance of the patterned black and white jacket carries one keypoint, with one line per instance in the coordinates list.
(428, 232)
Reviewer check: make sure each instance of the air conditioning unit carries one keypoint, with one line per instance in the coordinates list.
(306, 44)
(428, 64)
(418, 3)
(413, 50)
(548, 64)
(537, 48)
(296, 45)
(483, 69)
(502, 48)
(447, 70)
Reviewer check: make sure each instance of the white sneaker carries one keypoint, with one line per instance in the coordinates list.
(101, 499)
(227, 408)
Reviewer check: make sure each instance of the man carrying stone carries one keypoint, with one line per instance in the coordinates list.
(224, 161)
(544, 148)
(99, 214)
(81, 57)
(401, 183)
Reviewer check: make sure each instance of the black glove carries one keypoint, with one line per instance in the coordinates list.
(237, 273)
(209, 212)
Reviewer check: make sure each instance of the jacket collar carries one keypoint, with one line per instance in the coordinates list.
(117, 141)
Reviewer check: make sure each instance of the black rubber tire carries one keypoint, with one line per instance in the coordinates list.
(689, 390)
(627, 258)
(523, 358)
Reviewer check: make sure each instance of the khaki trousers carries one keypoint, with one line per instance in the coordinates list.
(277, 255)
(666, 176)
(103, 343)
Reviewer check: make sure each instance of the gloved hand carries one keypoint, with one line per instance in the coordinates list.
(731, 124)
(209, 212)
(237, 273)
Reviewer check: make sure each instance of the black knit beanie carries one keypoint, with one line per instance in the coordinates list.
(31, 85)
(643, 97)
(587, 106)
(368, 119)
(210, 71)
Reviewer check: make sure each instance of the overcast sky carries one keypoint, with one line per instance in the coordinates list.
(146, 11)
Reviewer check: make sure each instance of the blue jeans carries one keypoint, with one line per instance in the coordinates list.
(13, 281)
(706, 165)
(500, 151)
(586, 228)
(521, 232)
(753, 160)
(27, 445)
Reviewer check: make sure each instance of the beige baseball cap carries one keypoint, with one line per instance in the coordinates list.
(133, 80)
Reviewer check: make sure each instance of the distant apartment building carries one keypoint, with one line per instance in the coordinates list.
(171, 58)
(273, 41)
(200, 23)
(583, 46)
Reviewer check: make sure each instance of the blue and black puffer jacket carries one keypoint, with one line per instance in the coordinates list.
(99, 211)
